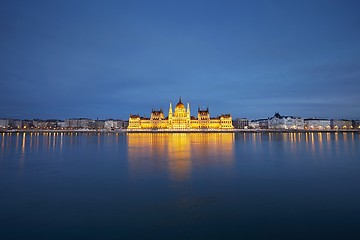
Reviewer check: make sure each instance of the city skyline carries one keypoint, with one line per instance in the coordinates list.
(250, 59)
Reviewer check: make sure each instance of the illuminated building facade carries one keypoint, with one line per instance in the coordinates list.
(285, 122)
(180, 119)
(317, 124)
(341, 124)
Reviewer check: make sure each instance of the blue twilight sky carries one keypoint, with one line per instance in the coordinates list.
(107, 59)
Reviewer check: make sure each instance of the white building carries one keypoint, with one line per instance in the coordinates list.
(114, 124)
(285, 122)
(254, 124)
(341, 124)
(317, 124)
(259, 124)
(110, 124)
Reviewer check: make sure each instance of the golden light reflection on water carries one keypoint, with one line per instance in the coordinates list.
(23, 143)
(23, 150)
(17, 140)
(2, 144)
(345, 137)
(179, 152)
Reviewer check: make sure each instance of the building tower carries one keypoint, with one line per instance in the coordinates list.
(179, 119)
(188, 116)
(170, 117)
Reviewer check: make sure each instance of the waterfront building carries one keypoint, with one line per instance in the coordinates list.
(123, 124)
(356, 124)
(60, 124)
(15, 123)
(263, 123)
(114, 124)
(71, 123)
(254, 124)
(43, 124)
(38, 123)
(340, 124)
(241, 123)
(79, 123)
(110, 124)
(97, 124)
(51, 124)
(4, 123)
(259, 124)
(285, 122)
(180, 119)
(27, 124)
(317, 124)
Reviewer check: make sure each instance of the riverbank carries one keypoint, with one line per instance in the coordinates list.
(176, 131)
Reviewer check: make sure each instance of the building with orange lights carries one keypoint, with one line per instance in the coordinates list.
(180, 119)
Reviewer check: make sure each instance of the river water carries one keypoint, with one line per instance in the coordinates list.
(180, 186)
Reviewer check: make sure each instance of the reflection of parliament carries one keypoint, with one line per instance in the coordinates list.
(180, 119)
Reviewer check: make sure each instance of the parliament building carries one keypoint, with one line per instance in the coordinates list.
(180, 119)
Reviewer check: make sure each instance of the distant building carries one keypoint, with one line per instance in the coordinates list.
(110, 124)
(254, 124)
(258, 124)
(356, 124)
(122, 124)
(28, 124)
(85, 122)
(98, 124)
(340, 124)
(241, 123)
(51, 124)
(317, 124)
(114, 124)
(263, 123)
(4, 123)
(79, 123)
(285, 122)
(38, 123)
(60, 124)
(15, 123)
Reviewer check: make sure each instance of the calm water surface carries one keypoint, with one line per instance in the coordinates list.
(180, 186)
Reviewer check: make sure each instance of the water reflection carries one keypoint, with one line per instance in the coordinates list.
(178, 153)
(23, 144)
(318, 145)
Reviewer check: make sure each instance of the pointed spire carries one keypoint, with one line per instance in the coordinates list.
(188, 108)
(180, 99)
(170, 113)
(170, 109)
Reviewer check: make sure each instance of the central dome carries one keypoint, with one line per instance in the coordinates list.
(180, 104)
